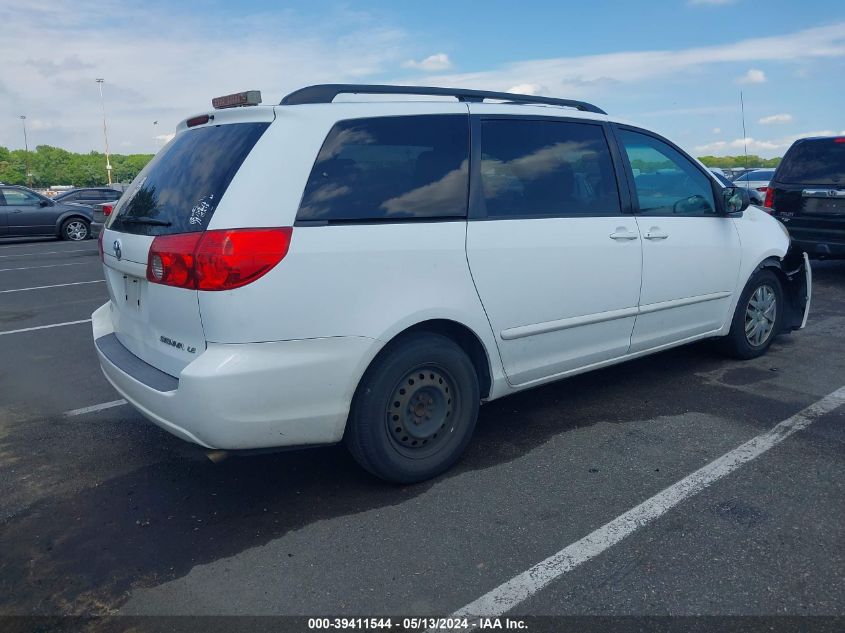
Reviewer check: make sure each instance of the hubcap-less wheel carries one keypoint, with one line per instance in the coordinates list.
(76, 230)
(420, 411)
(760, 315)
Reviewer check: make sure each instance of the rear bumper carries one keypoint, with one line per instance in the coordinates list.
(96, 228)
(245, 396)
(821, 249)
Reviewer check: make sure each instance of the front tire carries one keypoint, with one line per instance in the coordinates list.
(75, 229)
(757, 318)
(415, 409)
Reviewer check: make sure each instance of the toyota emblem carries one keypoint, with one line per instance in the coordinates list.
(117, 252)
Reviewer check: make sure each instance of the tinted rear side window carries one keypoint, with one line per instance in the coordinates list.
(390, 168)
(178, 191)
(816, 162)
(546, 168)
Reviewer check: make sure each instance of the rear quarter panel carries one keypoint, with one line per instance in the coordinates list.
(366, 280)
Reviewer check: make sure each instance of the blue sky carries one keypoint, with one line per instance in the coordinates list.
(676, 66)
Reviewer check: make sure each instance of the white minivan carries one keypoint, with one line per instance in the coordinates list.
(371, 271)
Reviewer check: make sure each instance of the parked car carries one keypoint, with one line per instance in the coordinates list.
(756, 198)
(101, 212)
(807, 194)
(407, 270)
(24, 212)
(739, 171)
(755, 179)
(88, 195)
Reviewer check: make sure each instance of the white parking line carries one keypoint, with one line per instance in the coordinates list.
(44, 327)
(5, 270)
(75, 250)
(75, 283)
(96, 407)
(53, 243)
(519, 588)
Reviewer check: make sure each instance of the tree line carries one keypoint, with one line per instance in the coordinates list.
(55, 166)
(735, 162)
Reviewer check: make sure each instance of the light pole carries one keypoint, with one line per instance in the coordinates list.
(105, 131)
(26, 154)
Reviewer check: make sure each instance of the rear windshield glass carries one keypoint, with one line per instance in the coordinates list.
(389, 169)
(178, 191)
(816, 162)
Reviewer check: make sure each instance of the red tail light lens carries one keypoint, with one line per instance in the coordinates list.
(100, 243)
(107, 209)
(770, 197)
(216, 260)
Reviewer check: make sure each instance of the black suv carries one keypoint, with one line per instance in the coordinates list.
(807, 194)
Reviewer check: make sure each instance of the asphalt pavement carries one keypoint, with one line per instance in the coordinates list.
(104, 513)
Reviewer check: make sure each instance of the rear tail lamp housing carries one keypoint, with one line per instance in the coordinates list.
(216, 260)
(770, 197)
(107, 209)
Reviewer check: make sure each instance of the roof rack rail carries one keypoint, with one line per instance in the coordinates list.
(325, 93)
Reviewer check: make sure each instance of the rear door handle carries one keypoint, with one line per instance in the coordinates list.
(654, 233)
(622, 234)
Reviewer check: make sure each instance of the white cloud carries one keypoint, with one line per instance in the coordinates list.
(157, 64)
(589, 74)
(527, 89)
(717, 130)
(753, 76)
(758, 146)
(438, 61)
(775, 118)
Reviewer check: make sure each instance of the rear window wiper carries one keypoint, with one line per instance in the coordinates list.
(146, 220)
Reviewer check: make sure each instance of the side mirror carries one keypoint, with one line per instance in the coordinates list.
(45, 203)
(735, 200)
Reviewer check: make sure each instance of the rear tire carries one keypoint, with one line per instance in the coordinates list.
(757, 318)
(415, 409)
(75, 229)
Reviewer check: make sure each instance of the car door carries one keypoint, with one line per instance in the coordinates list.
(555, 258)
(26, 215)
(691, 254)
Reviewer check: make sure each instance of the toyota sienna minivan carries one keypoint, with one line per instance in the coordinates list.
(370, 272)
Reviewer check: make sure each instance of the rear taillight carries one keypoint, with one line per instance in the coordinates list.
(216, 260)
(770, 197)
(100, 244)
(107, 209)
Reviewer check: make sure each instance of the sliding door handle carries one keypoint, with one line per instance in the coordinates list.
(623, 235)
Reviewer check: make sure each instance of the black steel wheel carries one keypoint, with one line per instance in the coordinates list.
(415, 409)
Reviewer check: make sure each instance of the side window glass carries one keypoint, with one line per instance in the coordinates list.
(667, 182)
(387, 168)
(18, 198)
(553, 168)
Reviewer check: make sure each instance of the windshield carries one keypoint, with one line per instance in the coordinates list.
(179, 190)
